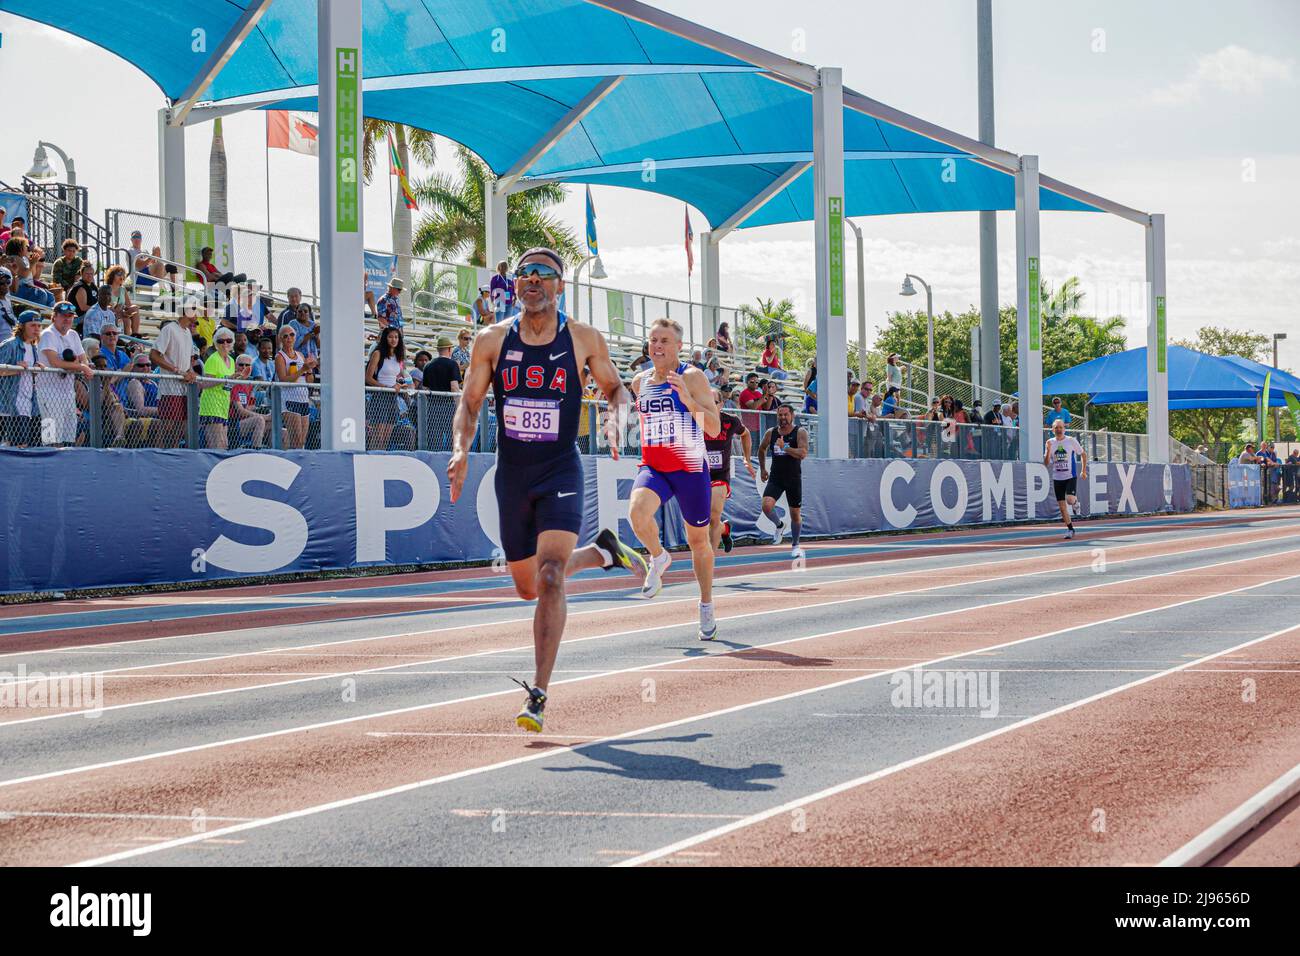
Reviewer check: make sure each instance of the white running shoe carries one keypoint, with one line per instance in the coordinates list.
(654, 579)
(779, 533)
(796, 553)
(1069, 533)
(708, 624)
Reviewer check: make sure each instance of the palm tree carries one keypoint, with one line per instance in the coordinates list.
(410, 141)
(453, 225)
(217, 214)
(1058, 303)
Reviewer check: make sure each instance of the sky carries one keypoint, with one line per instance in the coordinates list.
(1186, 107)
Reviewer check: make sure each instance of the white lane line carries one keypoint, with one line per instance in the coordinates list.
(793, 805)
(298, 650)
(69, 815)
(646, 630)
(1216, 838)
(517, 735)
(641, 731)
(642, 814)
(816, 573)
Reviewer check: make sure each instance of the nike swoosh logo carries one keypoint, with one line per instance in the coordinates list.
(565, 494)
(561, 355)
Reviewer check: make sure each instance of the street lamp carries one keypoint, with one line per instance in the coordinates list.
(597, 272)
(909, 289)
(41, 168)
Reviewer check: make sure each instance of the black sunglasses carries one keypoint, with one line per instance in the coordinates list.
(539, 269)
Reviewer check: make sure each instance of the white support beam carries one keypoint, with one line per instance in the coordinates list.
(497, 240)
(862, 303)
(1029, 325)
(761, 200)
(780, 65)
(217, 60)
(828, 228)
(558, 131)
(343, 412)
(1157, 343)
(171, 184)
(710, 282)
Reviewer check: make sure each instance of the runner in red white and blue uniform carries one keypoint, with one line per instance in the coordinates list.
(677, 409)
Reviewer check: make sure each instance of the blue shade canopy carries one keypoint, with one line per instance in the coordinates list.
(1283, 381)
(1196, 380)
(686, 121)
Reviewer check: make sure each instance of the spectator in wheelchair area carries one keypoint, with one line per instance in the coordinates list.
(20, 419)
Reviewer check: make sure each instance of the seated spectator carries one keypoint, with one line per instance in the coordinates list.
(26, 288)
(641, 360)
(697, 359)
(126, 311)
(8, 318)
(770, 361)
(214, 280)
(243, 309)
(290, 311)
(264, 363)
(483, 311)
(308, 330)
(460, 354)
(116, 358)
(112, 415)
(724, 338)
(715, 373)
(85, 291)
(139, 396)
(99, 315)
(67, 268)
(245, 423)
(20, 419)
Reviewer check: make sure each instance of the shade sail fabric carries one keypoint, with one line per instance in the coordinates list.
(687, 121)
(1194, 380)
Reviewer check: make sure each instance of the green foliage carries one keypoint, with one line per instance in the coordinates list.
(452, 224)
(374, 137)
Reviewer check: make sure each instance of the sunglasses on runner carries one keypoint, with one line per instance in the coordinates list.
(539, 269)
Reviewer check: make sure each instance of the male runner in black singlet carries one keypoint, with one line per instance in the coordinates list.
(534, 363)
(718, 449)
(789, 445)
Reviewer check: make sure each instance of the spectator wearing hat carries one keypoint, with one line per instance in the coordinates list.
(442, 375)
(502, 286)
(59, 347)
(67, 268)
(483, 312)
(8, 318)
(388, 310)
(20, 422)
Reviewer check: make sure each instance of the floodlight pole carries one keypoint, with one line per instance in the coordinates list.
(1029, 331)
(990, 349)
(1157, 343)
(828, 230)
(343, 426)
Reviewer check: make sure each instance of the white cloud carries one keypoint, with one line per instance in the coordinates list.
(1232, 69)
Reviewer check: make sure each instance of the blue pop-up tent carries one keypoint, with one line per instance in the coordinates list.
(1196, 380)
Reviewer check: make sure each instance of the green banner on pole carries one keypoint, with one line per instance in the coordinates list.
(466, 288)
(1293, 404)
(617, 309)
(835, 223)
(347, 188)
(1161, 343)
(201, 235)
(1035, 331)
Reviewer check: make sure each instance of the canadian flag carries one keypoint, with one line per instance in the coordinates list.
(286, 130)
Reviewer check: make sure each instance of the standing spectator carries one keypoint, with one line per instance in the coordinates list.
(292, 366)
(443, 373)
(126, 311)
(810, 388)
(241, 345)
(85, 291)
(20, 422)
(422, 358)
(290, 311)
(893, 373)
(1057, 414)
(100, 314)
(890, 403)
(264, 362)
(8, 318)
(482, 312)
(67, 268)
(385, 369)
(460, 354)
(388, 310)
(173, 354)
(750, 399)
(724, 338)
(728, 397)
(214, 402)
(244, 421)
(856, 407)
(308, 330)
(60, 348)
(503, 290)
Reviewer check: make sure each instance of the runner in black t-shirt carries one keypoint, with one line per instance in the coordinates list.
(718, 450)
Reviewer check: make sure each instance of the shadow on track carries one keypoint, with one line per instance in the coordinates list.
(635, 766)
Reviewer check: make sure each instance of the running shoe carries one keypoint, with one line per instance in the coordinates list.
(654, 579)
(1069, 533)
(796, 553)
(624, 557)
(708, 624)
(530, 718)
(726, 537)
(779, 532)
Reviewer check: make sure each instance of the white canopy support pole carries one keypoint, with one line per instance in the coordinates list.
(343, 426)
(1157, 344)
(217, 60)
(497, 242)
(828, 220)
(558, 131)
(171, 186)
(710, 283)
(862, 307)
(1029, 329)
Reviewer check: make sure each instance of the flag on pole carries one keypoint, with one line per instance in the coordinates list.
(690, 243)
(291, 131)
(593, 247)
(395, 168)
